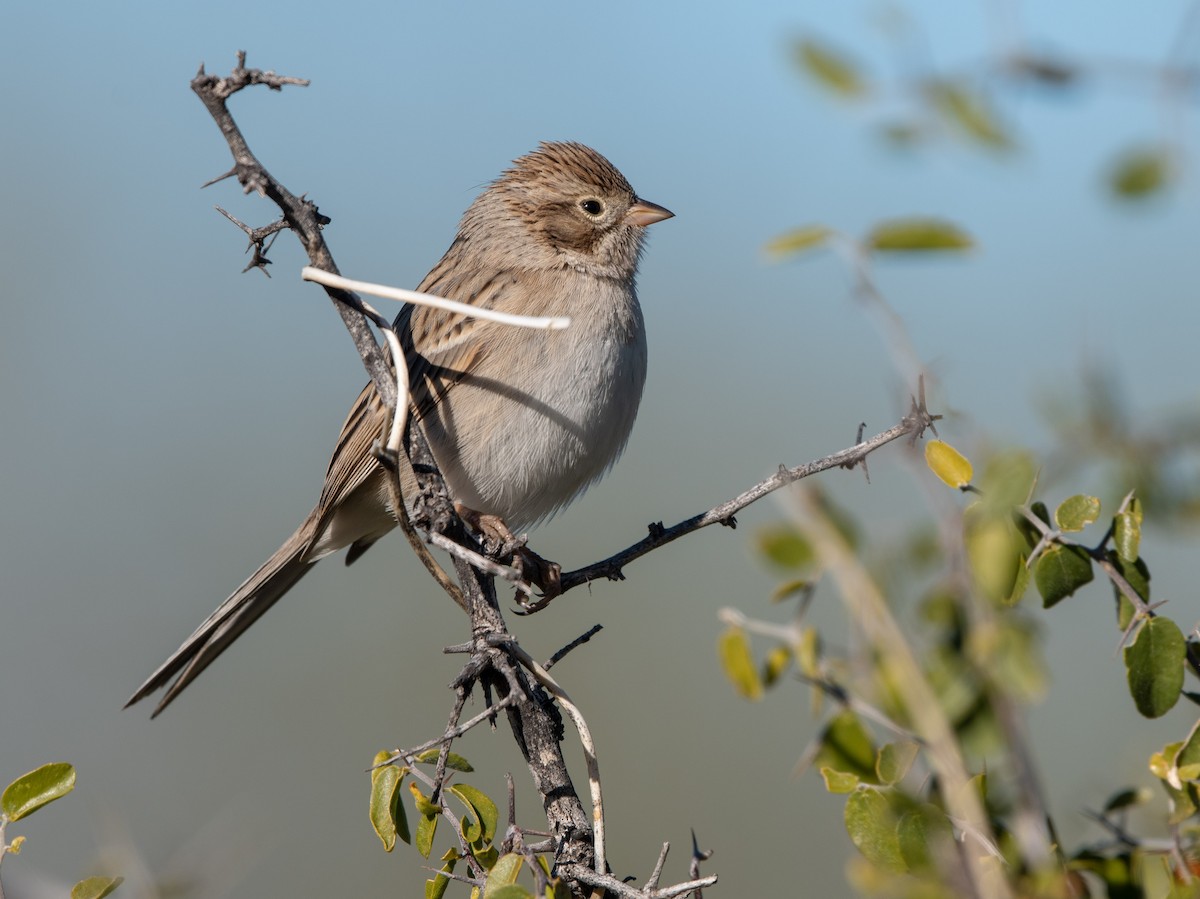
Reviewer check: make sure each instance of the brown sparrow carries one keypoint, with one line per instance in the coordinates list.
(519, 421)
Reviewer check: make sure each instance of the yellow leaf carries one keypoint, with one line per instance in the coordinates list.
(831, 68)
(738, 662)
(948, 464)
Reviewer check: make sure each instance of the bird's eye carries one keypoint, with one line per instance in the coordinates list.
(591, 206)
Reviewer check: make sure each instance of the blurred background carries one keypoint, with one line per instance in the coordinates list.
(167, 420)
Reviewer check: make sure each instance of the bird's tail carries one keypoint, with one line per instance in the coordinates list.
(260, 591)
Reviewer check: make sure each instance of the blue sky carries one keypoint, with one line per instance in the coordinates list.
(168, 419)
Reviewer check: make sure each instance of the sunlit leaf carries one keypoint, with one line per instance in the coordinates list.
(791, 588)
(871, 824)
(1187, 758)
(839, 781)
(924, 833)
(970, 112)
(503, 874)
(778, 660)
(993, 551)
(387, 811)
(427, 825)
(917, 235)
(800, 240)
(511, 891)
(894, 760)
(1076, 512)
(436, 888)
(1127, 531)
(1140, 173)
(830, 68)
(784, 546)
(846, 746)
(454, 761)
(948, 464)
(1154, 666)
(39, 787)
(1007, 481)
(482, 804)
(95, 887)
(738, 662)
(1007, 648)
(1162, 763)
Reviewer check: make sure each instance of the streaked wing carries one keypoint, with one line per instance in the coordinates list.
(450, 349)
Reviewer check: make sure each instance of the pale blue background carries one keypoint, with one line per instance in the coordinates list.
(166, 420)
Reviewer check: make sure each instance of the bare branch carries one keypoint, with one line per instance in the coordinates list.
(301, 215)
(912, 425)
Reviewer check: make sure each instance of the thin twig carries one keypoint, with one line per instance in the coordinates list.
(574, 644)
(912, 425)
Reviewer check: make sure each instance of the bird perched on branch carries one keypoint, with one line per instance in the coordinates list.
(519, 421)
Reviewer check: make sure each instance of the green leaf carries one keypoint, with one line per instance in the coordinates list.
(970, 112)
(482, 806)
(426, 829)
(830, 68)
(424, 805)
(436, 887)
(777, 662)
(1028, 529)
(948, 464)
(993, 550)
(39, 787)
(1154, 666)
(387, 811)
(846, 746)
(923, 833)
(1020, 584)
(839, 781)
(1007, 648)
(910, 235)
(1127, 535)
(503, 875)
(427, 826)
(799, 240)
(783, 545)
(894, 761)
(512, 891)
(1188, 754)
(454, 761)
(95, 887)
(1076, 512)
(734, 652)
(791, 588)
(1060, 571)
(1140, 173)
(872, 828)
(1127, 799)
(1137, 575)
(1007, 481)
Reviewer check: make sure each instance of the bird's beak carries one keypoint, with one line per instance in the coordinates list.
(643, 213)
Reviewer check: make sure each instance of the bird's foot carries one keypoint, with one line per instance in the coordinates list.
(500, 542)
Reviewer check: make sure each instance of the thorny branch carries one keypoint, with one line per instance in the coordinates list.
(912, 425)
(498, 663)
